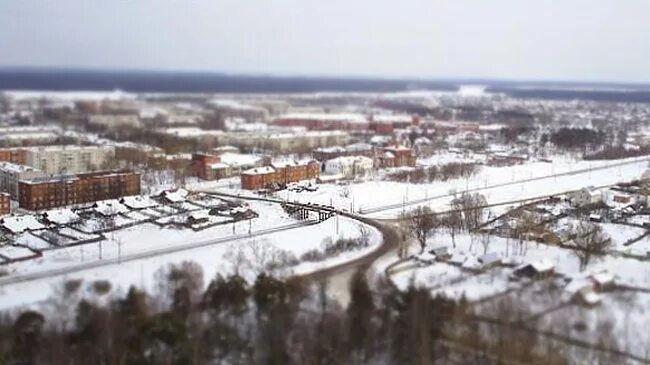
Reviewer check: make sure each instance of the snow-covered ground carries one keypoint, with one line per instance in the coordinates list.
(224, 256)
(385, 199)
(628, 271)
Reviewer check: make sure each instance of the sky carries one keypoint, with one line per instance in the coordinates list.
(569, 40)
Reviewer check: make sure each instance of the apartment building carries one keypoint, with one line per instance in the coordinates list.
(279, 173)
(69, 159)
(358, 149)
(13, 155)
(285, 141)
(396, 156)
(11, 174)
(324, 121)
(62, 190)
(5, 204)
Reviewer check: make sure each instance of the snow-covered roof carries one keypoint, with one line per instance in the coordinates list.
(388, 118)
(200, 214)
(471, 263)
(138, 202)
(591, 298)
(239, 159)
(16, 168)
(349, 160)
(603, 278)
(218, 165)
(426, 256)
(110, 207)
(18, 224)
(543, 265)
(358, 147)
(489, 258)
(61, 216)
(259, 171)
(175, 196)
(458, 258)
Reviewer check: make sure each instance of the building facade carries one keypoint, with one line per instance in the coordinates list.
(287, 141)
(14, 155)
(63, 190)
(349, 166)
(279, 174)
(69, 159)
(397, 156)
(11, 174)
(5, 204)
(358, 149)
(324, 121)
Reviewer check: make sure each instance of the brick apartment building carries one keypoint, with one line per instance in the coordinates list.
(279, 173)
(386, 124)
(62, 190)
(219, 166)
(396, 156)
(202, 165)
(13, 155)
(5, 204)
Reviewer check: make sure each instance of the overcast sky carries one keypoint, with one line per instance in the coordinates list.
(588, 40)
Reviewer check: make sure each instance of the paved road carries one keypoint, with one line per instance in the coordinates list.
(339, 275)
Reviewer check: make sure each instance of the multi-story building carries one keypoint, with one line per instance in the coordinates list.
(324, 121)
(386, 124)
(5, 204)
(69, 159)
(357, 149)
(14, 155)
(396, 156)
(286, 141)
(61, 190)
(11, 174)
(203, 164)
(349, 166)
(279, 174)
(113, 121)
(212, 167)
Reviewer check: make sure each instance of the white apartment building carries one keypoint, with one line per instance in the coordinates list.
(11, 173)
(286, 141)
(69, 159)
(349, 166)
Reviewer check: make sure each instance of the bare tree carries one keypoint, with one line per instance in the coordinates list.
(453, 222)
(421, 221)
(471, 206)
(590, 242)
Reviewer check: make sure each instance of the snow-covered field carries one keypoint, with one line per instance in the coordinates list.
(224, 256)
(385, 199)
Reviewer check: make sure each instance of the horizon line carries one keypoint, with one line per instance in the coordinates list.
(322, 76)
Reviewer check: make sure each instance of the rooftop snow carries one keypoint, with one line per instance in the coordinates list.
(138, 202)
(61, 216)
(18, 224)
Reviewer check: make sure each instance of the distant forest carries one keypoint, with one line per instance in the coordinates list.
(207, 82)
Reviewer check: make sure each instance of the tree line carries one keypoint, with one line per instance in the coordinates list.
(444, 172)
(269, 321)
